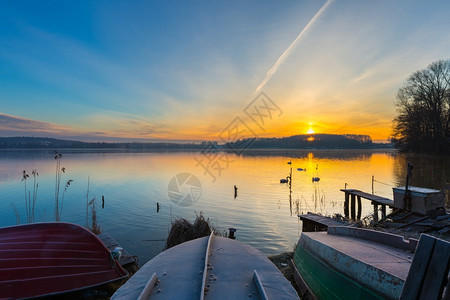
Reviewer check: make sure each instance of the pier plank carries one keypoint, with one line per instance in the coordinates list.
(110, 243)
(371, 197)
(315, 222)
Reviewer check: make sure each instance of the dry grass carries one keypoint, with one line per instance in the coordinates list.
(183, 230)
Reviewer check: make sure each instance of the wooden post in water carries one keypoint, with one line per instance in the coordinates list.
(359, 208)
(373, 178)
(353, 206)
(346, 204)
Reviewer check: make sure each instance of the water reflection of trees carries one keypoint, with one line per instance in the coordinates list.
(431, 171)
(357, 154)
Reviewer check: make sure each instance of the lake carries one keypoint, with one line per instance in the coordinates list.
(263, 212)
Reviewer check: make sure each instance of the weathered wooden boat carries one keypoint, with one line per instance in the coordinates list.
(52, 258)
(208, 268)
(354, 263)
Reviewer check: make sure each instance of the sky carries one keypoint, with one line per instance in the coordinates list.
(194, 70)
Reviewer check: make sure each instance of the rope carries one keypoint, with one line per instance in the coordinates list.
(383, 183)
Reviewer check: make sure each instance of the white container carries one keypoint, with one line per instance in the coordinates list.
(422, 199)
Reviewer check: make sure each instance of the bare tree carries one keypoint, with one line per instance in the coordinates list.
(423, 110)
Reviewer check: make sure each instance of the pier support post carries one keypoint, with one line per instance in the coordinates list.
(383, 211)
(359, 208)
(352, 208)
(375, 213)
(346, 204)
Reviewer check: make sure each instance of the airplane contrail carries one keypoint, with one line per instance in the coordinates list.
(286, 53)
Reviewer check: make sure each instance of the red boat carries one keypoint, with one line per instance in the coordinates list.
(51, 258)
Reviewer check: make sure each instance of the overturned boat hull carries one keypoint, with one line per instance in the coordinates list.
(52, 258)
(208, 268)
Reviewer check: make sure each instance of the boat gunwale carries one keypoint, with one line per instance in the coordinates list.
(389, 239)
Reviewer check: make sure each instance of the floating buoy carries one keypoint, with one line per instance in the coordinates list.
(315, 179)
(300, 169)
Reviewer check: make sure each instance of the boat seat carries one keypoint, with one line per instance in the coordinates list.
(428, 276)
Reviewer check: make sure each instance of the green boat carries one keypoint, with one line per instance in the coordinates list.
(352, 263)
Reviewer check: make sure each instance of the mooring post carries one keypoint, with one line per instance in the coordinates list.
(375, 213)
(231, 234)
(346, 204)
(353, 206)
(359, 207)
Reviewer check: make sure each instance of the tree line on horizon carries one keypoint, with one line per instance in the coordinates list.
(332, 141)
(52, 143)
(422, 123)
(308, 141)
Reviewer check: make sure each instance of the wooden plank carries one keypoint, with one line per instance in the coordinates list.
(110, 243)
(379, 199)
(383, 211)
(321, 219)
(413, 222)
(148, 289)
(313, 222)
(359, 208)
(414, 280)
(352, 206)
(437, 272)
(347, 196)
(375, 212)
(107, 240)
(261, 292)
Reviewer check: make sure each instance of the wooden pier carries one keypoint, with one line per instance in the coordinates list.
(126, 260)
(351, 195)
(313, 222)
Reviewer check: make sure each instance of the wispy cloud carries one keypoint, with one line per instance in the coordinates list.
(16, 124)
(288, 51)
(126, 129)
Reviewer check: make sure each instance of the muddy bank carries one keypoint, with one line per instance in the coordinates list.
(283, 263)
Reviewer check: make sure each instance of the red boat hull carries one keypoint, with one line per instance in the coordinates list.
(51, 258)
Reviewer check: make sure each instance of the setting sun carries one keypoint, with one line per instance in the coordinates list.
(310, 131)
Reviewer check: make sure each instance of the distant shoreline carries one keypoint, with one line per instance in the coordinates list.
(293, 143)
(226, 150)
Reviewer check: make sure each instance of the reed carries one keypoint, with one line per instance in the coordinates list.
(64, 193)
(34, 173)
(94, 228)
(16, 212)
(25, 177)
(29, 201)
(58, 174)
(183, 230)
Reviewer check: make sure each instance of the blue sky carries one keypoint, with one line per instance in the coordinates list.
(141, 70)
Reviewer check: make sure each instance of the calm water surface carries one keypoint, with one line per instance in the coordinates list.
(264, 215)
